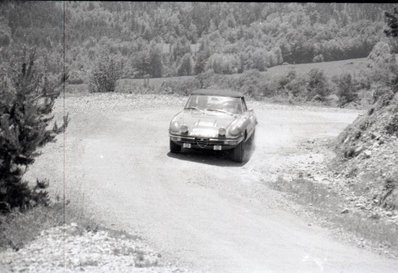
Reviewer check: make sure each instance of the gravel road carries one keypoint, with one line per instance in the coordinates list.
(199, 210)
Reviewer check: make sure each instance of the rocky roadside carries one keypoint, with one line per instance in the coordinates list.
(351, 183)
(71, 248)
(330, 198)
(318, 170)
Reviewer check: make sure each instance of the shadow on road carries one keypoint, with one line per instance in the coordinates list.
(215, 158)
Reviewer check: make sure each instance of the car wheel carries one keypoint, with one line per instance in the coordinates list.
(174, 148)
(238, 153)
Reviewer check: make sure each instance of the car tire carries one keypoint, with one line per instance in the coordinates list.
(251, 139)
(238, 152)
(174, 148)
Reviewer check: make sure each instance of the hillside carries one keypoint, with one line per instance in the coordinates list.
(177, 39)
(295, 53)
(368, 153)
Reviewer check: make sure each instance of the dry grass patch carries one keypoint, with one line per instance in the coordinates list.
(17, 229)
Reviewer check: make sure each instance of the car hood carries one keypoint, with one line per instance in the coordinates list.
(204, 123)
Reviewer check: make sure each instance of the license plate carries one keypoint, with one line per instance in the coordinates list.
(217, 147)
(186, 145)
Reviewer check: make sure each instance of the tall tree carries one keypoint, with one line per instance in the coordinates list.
(185, 68)
(155, 63)
(26, 102)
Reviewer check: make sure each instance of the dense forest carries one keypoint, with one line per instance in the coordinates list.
(161, 39)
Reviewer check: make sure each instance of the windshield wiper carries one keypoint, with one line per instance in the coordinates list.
(221, 111)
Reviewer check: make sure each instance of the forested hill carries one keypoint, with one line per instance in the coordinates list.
(169, 39)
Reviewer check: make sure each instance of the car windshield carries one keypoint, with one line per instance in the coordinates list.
(215, 103)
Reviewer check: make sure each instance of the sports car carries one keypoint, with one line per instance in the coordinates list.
(216, 120)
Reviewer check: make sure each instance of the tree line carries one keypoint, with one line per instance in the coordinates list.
(155, 39)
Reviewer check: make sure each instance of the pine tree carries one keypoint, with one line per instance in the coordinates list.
(155, 62)
(202, 57)
(142, 64)
(26, 102)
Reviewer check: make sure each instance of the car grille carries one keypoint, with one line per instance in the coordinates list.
(202, 142)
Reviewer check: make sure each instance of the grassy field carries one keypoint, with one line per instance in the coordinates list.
(331, 69)
(18, 229)
(353, 66)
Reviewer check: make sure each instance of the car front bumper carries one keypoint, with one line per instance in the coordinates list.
(206, 142)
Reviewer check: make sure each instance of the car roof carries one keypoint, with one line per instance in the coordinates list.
(218, 92)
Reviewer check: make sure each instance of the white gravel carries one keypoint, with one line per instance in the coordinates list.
(71, 248)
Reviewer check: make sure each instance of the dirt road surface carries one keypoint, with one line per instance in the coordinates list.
(199, 210)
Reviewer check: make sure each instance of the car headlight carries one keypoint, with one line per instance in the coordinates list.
(222, 132)
(184, 129)
(234, 131)
(174, 127)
